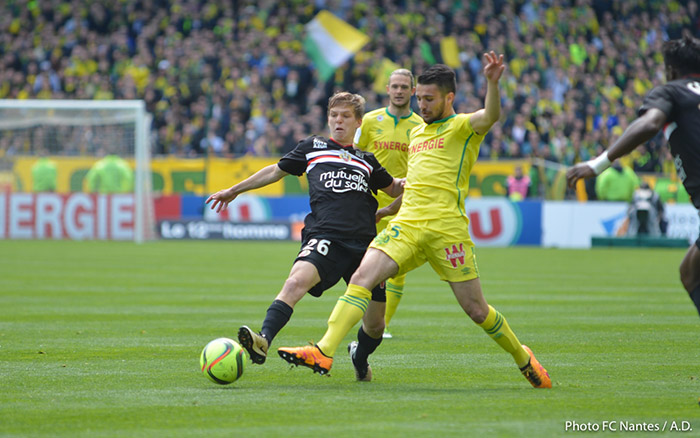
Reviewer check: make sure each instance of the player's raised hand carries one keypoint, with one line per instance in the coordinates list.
(493, 66)
(221, 199)
(581, 170)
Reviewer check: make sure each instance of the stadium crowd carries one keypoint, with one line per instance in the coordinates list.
(231, 78)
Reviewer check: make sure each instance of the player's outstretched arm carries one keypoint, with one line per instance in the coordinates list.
(642, 129)
(390, 209)
(395, 188)
(265, 176)
(483, 119)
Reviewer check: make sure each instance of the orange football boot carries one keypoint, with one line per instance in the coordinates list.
(535, 373)
(309, 356)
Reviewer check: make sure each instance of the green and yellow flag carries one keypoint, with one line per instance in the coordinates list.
(330, 42)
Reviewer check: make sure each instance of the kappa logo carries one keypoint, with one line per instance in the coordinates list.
(320, 144)
(457, 255)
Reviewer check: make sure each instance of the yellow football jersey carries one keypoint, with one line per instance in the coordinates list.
(440, 159)
(387, 137)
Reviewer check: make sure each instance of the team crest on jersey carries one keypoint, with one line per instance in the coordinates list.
(443, 127)
(456, 256)
(380, 117)
(320, 144)
(345, 155)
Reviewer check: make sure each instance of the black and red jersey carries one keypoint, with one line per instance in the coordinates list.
(341, 182)
(680, 101)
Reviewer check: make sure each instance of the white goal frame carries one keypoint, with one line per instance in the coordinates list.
(144, 216)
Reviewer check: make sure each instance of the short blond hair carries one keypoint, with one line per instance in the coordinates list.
(344, 98)
(403, 72)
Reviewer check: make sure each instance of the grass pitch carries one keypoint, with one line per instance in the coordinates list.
(103, 339)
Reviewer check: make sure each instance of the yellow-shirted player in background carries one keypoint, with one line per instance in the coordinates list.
(431, 226)
(385, 132)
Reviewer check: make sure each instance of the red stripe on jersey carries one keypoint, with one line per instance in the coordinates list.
(340, 160)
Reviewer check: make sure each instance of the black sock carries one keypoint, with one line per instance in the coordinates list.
(278, 315)
(365, 346)
(695, 296)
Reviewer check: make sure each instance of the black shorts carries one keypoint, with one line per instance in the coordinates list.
(335, 259)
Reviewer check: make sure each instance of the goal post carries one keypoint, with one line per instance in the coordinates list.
(87, 130)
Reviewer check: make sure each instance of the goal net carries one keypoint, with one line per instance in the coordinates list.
(78, 170)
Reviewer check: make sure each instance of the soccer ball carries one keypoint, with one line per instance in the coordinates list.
(223, 361)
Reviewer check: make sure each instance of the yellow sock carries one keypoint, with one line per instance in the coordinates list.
(496, 326)
(394, 293)
(347, 312)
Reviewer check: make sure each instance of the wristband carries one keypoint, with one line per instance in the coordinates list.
(600, 163)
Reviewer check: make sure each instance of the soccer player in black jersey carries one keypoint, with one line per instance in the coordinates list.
(341, 223)
(675, 108)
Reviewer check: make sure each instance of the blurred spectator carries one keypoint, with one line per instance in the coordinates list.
(643, 161)
(236, 144)
(519, 130)
(617, 183)
(518, 185)
(111, 174)
(44, 175)
(533, 143)
(578, 67)
(213, 143)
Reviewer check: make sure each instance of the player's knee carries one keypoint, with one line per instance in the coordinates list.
(362, 278)
(477, 313)
(295, 288)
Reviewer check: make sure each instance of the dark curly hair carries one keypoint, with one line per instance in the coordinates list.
(683, 55)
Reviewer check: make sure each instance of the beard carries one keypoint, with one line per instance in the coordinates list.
(436, 114)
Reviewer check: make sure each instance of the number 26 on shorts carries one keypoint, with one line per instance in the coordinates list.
(321, 248)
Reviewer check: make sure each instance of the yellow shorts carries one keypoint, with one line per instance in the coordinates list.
(445, 244)
(383, 223)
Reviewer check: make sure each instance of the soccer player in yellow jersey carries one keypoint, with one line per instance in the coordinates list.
(431, 225)
(384, 132)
